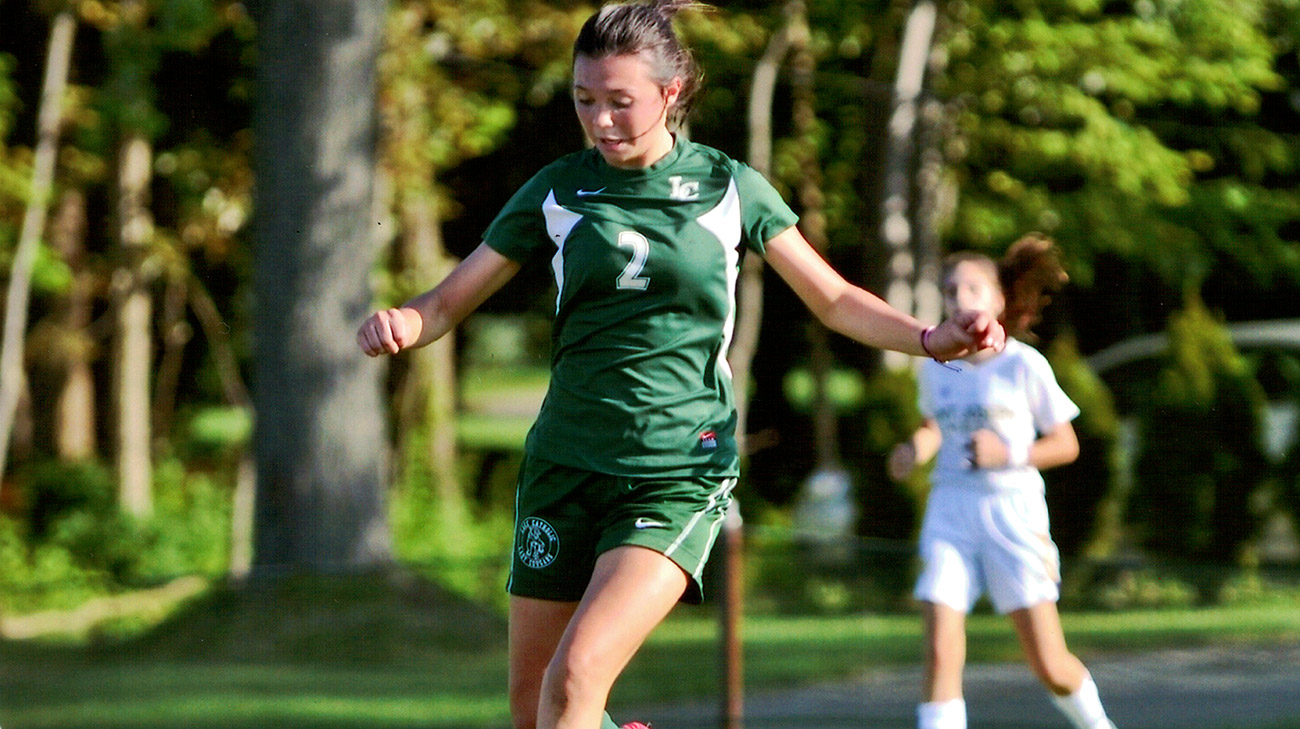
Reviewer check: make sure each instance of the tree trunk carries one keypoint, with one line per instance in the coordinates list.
(813, 226)
(936, 201)
(176, 333)
(749, 295)
(431, 380)
(74, 414)
(133, 345)
(217, 335)
(129, 48)
(232, 386)
(896, 226)
(319, 437)
(49, 120)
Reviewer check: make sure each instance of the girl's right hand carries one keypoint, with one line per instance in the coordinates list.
(901, 461)
(389, 331)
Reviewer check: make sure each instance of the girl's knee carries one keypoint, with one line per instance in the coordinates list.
(574, 678)
(1061, 676)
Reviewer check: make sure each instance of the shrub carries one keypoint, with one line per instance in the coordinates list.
(72, 507)
(190, 529)
(464, 545)
(888, 416)
(1201, 458)
(1287, 472)
(1144, 589)
(1082, 497)
(71, 542)
(55, 490)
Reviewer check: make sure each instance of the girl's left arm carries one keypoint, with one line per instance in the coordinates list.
(1056, 447)
(863, 316)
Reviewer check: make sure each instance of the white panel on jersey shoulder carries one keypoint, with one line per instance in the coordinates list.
(559, 223)
(723, 221)
(559, 220)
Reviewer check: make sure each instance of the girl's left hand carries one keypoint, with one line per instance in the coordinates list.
(965, 333)
(988, 450)
(902, 459)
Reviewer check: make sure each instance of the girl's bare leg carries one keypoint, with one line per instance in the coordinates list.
(631, 591)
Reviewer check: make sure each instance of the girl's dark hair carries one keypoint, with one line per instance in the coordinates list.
(646, 28)
(1029, 272)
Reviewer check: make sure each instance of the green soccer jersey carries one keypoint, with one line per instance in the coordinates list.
(645, 263)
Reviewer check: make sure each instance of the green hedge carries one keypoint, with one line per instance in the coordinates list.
(1201, 461)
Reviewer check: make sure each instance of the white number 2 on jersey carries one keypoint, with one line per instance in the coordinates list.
(631, 277)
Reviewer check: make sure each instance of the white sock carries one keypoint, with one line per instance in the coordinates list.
(1083, 707)
(949, 714)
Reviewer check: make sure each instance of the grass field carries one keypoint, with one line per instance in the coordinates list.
(379, 652)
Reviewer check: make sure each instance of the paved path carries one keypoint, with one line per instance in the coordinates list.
(1218, 688)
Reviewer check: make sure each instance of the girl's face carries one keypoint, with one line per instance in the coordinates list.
(623, 110)
(972, 286)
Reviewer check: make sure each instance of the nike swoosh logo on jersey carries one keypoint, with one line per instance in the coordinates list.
(584, 193)
(644, 523)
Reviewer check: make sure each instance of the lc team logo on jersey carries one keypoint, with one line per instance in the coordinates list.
(538, 543)
(683, 190)
(708, 440)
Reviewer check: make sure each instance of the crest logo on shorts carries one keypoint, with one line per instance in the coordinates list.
(538, 543)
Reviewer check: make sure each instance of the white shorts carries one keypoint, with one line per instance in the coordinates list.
(977, 540)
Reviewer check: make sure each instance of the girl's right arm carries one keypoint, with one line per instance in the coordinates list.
(432, 314)
(918, 449)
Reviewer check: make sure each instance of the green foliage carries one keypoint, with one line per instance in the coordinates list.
(888, 416)
(786, 577)
(1201, 461)
(72, 542)
(39, 576)
(128, 99)
(844, 388)
(1116, 129)
(1251, 588)
(463, 546)
(69, 541)
(50, 274)
(219, 430)
(186, 24)
(57, 490)
(189, 531)
(9, 101)
(1135, 590)
(1081, 496)
(448, 91)
(13, 170)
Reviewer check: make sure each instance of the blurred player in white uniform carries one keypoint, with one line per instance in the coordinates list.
(992, 421)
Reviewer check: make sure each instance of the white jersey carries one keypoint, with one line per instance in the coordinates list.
(1013, 393)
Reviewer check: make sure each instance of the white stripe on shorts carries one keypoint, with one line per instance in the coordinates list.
(724, 488)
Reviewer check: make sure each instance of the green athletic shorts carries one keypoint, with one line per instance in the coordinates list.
(565, 517)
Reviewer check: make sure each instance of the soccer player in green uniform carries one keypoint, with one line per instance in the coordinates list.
(629, 467)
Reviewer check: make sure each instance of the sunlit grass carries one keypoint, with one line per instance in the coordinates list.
(481, 382)
(492, 432)
(499, 406)
(464, 691)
